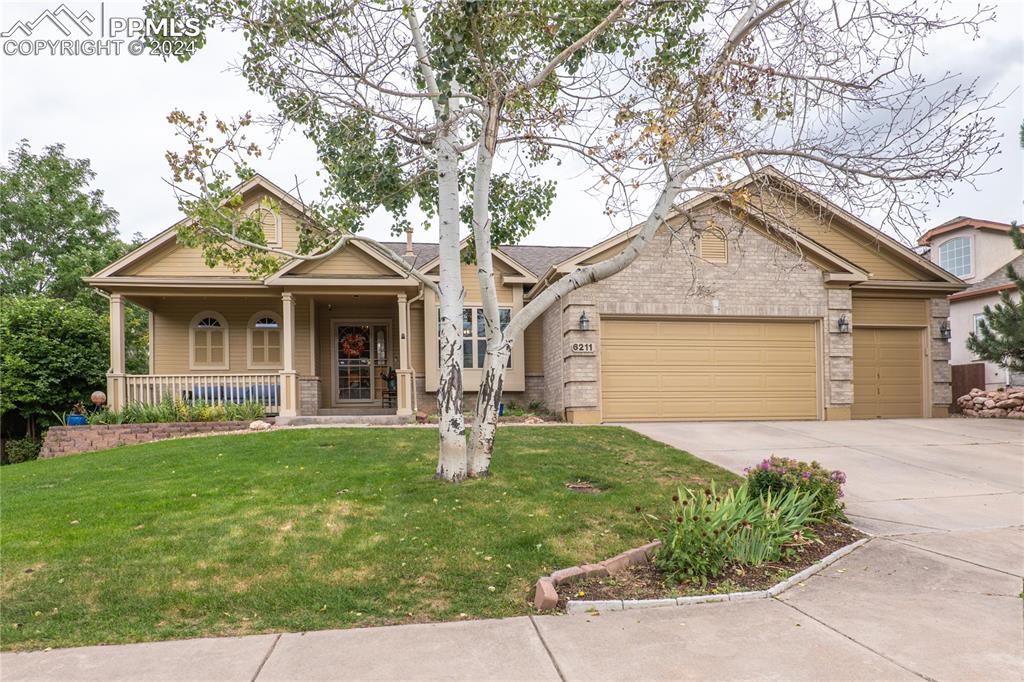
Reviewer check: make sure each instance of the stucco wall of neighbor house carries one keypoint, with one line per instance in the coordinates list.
(761, 279)
(961, 323)
(989, 251)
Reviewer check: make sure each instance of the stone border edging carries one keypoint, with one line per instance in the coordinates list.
(545, 597)
(584, 606)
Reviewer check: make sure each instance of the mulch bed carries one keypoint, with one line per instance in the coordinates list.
(646, 581)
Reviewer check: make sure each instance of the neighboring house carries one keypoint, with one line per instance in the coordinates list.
(977, 252)
(792, 310)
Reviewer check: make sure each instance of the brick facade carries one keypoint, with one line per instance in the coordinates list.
(70, 440)
(762, 278)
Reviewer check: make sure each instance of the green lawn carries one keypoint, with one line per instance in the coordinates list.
(310, 529)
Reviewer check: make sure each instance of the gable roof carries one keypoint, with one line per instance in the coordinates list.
(775, 175)
(959, 223)
(994, 283)
(170, 234)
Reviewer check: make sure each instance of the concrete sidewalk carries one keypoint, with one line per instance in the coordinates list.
(936, 595)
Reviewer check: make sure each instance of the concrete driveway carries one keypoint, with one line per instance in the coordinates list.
(938, 591)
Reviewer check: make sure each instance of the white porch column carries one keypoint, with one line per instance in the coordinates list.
(404, 372)
(115, 377)
(289, 381)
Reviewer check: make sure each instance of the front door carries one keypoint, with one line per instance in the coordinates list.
(361, 352)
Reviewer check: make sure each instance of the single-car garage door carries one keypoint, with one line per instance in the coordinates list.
(887, 373)
(674, 369)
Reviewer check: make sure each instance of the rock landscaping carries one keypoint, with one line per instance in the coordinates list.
(1003, 403)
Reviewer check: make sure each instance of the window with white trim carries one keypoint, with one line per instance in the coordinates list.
(978, 317)
(265, 340)
(208, 341)
(955, 256)
(474, 336)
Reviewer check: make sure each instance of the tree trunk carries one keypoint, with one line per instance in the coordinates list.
(451, 461)
(481, 439)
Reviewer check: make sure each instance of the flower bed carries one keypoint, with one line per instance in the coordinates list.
(785, 518)
(646, 581)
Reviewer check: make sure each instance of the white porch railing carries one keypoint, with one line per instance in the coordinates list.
(214, 389)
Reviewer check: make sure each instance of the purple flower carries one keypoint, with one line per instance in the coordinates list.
(807, 474)
(766, 465)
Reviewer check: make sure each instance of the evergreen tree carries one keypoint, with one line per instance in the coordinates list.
(1000, 336)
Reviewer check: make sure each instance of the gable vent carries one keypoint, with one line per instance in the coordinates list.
(713, 246)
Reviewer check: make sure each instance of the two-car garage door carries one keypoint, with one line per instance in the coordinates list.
(672, 369)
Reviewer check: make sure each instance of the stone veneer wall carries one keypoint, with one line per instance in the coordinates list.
(70, 440)
(839, 356)
(761, 279)
(942, 373)
(309, 395)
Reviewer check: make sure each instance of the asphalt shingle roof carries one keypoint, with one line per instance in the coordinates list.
(537, 259)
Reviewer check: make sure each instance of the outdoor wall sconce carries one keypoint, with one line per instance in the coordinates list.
(944, 330)
(843, 324)
(584, 321)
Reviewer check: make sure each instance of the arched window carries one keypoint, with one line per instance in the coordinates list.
(955, 256)
(264, 338)
(208, 341)
(714, 247)
(269, 216)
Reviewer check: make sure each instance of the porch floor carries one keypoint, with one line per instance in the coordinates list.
(386, 419)
(355, 411)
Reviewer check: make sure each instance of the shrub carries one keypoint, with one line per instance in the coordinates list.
(709, 530)
(177, 410)
(18, 450)
(779, 474)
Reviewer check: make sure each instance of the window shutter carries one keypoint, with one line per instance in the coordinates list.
(713, 246)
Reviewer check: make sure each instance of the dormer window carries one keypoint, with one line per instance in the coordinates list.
(955, 256)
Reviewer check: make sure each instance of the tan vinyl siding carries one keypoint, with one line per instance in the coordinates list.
(177, 261)
(416, 350)
(533, 348)
(890, 311)
(471, 283)
(173, 260)
(349, 261)
(302, 357)
(171, 320)
(831, 232)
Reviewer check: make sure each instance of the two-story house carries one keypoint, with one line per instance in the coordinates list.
(976, 251)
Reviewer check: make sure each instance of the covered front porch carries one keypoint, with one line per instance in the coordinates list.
(331, 351)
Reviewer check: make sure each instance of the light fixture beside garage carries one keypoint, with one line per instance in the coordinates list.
(843, 324)
(944, 330)
(584, 321)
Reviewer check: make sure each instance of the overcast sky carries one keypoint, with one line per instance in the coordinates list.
(112, 110)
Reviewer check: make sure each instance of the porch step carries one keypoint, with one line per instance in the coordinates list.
(343, 420)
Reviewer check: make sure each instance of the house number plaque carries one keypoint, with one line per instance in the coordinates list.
(582, 348)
